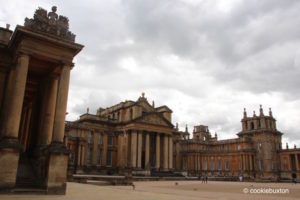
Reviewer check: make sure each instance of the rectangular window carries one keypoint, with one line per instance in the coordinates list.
(110, 140)
(219, 164)
(91, 137)
(226, 165)
(99, 156)
(109, 159)
(212, 165)
(89, 158)
(100, 139)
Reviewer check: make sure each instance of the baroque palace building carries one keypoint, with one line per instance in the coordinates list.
(138, 136)
(131, 134)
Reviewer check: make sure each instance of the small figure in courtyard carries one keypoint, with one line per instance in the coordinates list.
(133, 186)
(206, 179)
(241, 178)
(203, 179)
(294, 178)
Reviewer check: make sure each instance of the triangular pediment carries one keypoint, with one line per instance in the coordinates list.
(154, 119)
(145, 105)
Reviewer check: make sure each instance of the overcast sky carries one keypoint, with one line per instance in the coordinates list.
(205, 59)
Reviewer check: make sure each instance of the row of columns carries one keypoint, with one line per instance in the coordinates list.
(136, 151)
(199, 162)
(53, 120)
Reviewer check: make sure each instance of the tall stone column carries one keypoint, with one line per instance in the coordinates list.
(147, 151)
(23, 126)
(166, 149)
(7, 97)
(157, 152)
(58, 158)
(9, 144)
(15, 103)
(104, 150)
(133, 148)
(139, 158)
(120, 157)
(244, 162)
(61, 105)
(297, 162)
(48, 113)
(171, 152)
(27, 127)
(251, 165)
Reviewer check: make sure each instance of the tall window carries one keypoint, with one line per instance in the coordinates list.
(100, 139)
(90, 136)
(110, 140)
(239, 147)
(108, 160)
(205, 165)
(212, 165)
(219, 165)
(99, 156)
(131, 113)
(252, 125)
(89, 157)
(226, 165)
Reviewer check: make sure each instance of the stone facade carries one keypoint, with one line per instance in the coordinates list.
(35, 64)
(255, 154)
(126, 136)
(130, 135)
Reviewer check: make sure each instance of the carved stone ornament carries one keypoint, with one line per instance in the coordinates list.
(50, 23)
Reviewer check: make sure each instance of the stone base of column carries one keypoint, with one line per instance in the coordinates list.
(57, 169)
(9, 160)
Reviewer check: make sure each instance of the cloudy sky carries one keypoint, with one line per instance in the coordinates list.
(205, 59)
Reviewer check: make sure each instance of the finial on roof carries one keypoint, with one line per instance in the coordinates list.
(186, 128)
(143, 94)
(7, 26)
(270, 112)
(245, 113)
(287, 146)
(254, 115)
(261, 111)
(176, 126)
(87, 110)
(153, 104)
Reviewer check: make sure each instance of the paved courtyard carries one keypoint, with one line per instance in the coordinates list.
(169, 190)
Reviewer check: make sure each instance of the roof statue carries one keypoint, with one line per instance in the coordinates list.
(50, 23)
